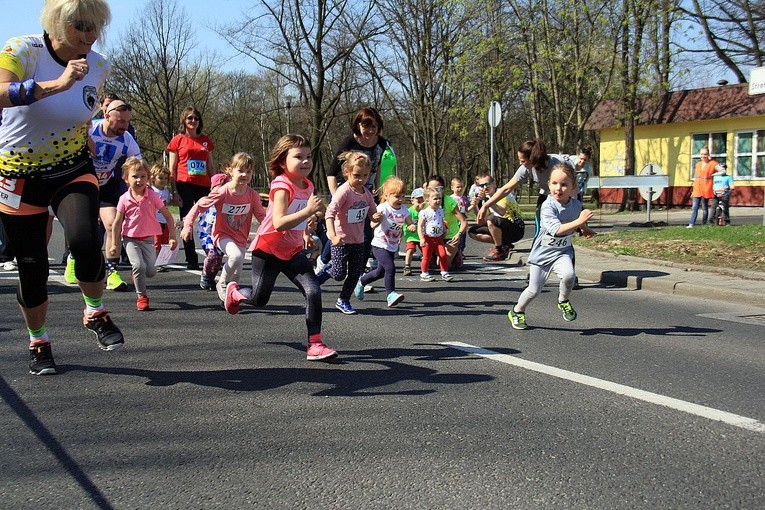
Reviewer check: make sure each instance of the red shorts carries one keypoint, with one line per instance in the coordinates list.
(413, 245)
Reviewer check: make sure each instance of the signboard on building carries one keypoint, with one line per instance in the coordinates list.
(757, 81)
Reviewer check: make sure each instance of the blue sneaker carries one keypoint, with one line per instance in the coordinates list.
(359, 291)
(345, 307)
(394, 298)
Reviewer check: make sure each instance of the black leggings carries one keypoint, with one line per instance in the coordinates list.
(189, 194)
(76, 206)
(265, 269)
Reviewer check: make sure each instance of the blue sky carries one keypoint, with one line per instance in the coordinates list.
(24, 19)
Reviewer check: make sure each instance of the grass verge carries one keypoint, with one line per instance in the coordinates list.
(736, 247)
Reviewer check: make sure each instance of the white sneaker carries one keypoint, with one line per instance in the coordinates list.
(319, 265)
(221, 288)
(9, 266)
(447, 277)
(426, 277)
(690, 226)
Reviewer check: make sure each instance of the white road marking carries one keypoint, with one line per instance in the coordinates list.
(646, 396)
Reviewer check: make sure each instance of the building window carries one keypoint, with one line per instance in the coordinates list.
(717, 143)
(750, 154)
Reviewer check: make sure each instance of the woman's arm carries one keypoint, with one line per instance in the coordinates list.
(172, 163)
(13, 89)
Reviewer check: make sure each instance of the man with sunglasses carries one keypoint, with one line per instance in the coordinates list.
(502, 227)
(113, 144)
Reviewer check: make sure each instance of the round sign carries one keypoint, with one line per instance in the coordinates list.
(645, 192)
(495, 114)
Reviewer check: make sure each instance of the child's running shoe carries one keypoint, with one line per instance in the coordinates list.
(41, 360)
(320, 352)
(517, 319)
(233, 297)
(446, 277)
(426, 277)
(220, 287)
(142, 303)
(69, 275)
(407, 271)
(115, 282)
(108, 335)
(359, 291)
(569, 314)
(369, 289)
(205, 283)
(345, 307)
(322, 275)
(394, 298)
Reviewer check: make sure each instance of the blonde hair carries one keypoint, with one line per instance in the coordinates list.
(354, 159)
(566, 169)
(240, 160)
(157, 170)
(430, 192)
(392, 186)
(279, 153)
(132, 163)
(57, 14)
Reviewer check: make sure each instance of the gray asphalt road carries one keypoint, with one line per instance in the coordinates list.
(203, 410)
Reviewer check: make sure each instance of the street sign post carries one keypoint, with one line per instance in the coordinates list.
(495, 116)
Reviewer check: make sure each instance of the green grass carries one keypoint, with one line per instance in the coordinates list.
(738, 247)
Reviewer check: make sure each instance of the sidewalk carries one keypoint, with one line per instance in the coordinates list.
(736, 286)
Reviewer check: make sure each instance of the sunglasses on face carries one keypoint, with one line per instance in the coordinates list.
(485, 184)
(192, 117)
(83, 26)
(436, 188)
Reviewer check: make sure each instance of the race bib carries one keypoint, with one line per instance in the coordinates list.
(235, 209)
(434, 229)
(357, 215)
(196, 167)
(556, 242)
(103, 177)
(10, 192)
(295, 206)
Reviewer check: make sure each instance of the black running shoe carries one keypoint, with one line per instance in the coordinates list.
(41, 360)
(108, 335)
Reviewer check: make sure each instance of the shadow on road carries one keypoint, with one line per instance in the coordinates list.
(340, 378)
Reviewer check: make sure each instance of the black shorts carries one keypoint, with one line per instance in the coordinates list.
(109, 193)
(512, 230)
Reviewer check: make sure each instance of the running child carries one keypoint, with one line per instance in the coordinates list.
(292, 213)
(387, 236)
(432, 228)
(136, 222)
(235, 204)
(412, 239)
(213, 255)
(159, 179)
(560, 216)
(345, 227)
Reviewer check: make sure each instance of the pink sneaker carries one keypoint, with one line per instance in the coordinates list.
(320, 352)
(233, 297)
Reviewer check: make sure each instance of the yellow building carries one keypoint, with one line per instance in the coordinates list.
(671, 130)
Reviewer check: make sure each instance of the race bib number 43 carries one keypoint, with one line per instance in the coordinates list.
(357, 215)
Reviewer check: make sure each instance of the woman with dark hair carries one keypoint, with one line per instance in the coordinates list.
(366, 130)
(190, 167)
(49, 85)
(536, 166)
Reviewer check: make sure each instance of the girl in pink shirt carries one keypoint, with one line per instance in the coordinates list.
(292, 214)
(235, 204)
(345, 227)
(136, 221)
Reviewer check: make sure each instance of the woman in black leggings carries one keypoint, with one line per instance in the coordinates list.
(44, 161)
